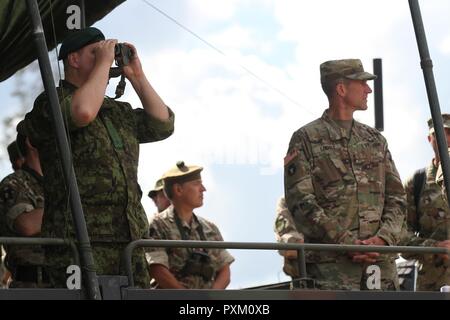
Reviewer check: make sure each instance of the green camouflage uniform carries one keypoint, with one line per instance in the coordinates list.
(105, 158)
(342, 186)
(164, 227)
(286, 232)
(21, 192)
(427, 224)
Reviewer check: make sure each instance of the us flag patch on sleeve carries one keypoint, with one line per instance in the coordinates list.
(290, 156)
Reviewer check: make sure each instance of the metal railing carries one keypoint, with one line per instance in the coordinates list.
(43, 241)
(300, 247)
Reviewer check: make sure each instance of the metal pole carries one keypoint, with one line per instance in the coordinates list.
(63, 148)
(378, 94)
(427, 67)
(83, 14)
(302, 263)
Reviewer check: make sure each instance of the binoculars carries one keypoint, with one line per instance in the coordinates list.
(122, 54)
(199, 264)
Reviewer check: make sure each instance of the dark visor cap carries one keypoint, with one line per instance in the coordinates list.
(79, 39)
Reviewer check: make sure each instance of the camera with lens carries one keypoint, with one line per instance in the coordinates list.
(122, 54)
(199, 264)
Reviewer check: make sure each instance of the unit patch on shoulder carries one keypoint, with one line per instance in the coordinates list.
(292, 169)
(289, 164)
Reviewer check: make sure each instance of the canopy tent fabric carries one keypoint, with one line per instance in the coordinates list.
(17, 47)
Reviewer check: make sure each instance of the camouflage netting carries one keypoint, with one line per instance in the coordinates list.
(16, 35)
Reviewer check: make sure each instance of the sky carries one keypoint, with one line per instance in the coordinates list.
(239, 98)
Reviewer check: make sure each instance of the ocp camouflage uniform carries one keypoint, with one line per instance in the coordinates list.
(164, 227)
(105, 158)
(427, 224)
(286, 232)
(21, 192)
(342, 186)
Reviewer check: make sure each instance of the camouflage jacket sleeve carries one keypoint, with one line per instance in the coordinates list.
(393, 217)
(151, 129)
(157, 255)
(16, 199)
(301, 199)
(285, 229)
(223, 256)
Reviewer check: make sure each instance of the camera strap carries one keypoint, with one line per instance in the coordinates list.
(183, 233)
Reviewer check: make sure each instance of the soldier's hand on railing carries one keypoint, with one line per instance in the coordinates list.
(292, 254)
(374, 241)
(367, 257)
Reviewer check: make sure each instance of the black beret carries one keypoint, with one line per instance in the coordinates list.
(79, 39)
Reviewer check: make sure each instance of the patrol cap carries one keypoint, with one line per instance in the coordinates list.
(445, 121)
(79, 39)
(347, 68)
(14, 152)
(159, 185)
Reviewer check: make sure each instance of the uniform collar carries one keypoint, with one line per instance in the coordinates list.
(194, 222)
(34, 173)
(335, 131)
(67, 85)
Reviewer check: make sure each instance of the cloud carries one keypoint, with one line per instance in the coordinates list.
(208, 11)
(445, 46)
(225, 116)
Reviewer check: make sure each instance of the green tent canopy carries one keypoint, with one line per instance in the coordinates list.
(17, 47)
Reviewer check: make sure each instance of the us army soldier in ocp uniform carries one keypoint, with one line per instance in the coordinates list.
(429, 217)
(192, 268)
(342, 186)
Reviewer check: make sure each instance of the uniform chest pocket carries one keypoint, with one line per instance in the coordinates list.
(434, 220)
(329, 171)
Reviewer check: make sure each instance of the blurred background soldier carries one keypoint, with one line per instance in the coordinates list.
(342, 187)
(428, 217)
(286, 232)
(15, 157)
(181, 268)
(21, 208)
(158, 196)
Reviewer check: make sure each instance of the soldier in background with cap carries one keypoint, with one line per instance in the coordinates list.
(181, 268)
(428, 217)
(342, 186)
(105, 135)
(159, 197)
(21, 208)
